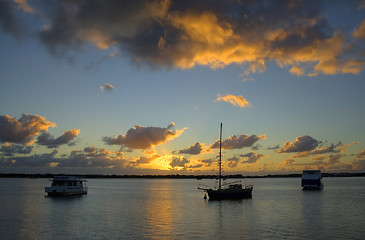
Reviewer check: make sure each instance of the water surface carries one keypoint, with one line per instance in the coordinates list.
(175, 209)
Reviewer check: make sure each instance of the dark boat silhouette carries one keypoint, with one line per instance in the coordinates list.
(234, 190)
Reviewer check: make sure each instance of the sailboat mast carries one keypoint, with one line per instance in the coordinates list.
(220, 159)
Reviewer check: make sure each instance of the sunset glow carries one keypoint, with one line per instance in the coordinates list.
(138, 87)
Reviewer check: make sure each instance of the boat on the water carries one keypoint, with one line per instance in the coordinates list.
(66, 185)
(233, 190)
(312, 179)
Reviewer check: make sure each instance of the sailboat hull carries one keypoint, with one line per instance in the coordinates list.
(221, 194)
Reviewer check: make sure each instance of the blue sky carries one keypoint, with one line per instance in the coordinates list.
(141, 87)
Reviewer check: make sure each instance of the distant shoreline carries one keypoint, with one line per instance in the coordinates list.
(176, 176)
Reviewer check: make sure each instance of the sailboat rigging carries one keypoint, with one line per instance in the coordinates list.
(234, 190)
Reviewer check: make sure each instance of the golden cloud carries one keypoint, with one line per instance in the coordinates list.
(239, 101)
(360, 31)
(24, 129)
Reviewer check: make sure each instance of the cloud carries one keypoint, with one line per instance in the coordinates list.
(324, 150)
(177, 162)
(48, 140)
(90, 157)
(207, 162)
(360, 155)
(195, 166)
(144, 160)
(185, 34)
(24, 129)
(360, 31)
(195, 149)
(9, 22)
(23, 5)
(287, 164)
(10, 149)
(274, 147)
(238, 101)
(301, 144)
(94, 158)
(232, 162)
(334, 159)
(108, 87)
(359, 163)
(144, 137)
(299, 71)
(251, 157)
(36, 160)
(234, 142)
(246, 79)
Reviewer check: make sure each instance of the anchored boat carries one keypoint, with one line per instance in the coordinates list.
(312, 179)
(66, 185)
(231, 191)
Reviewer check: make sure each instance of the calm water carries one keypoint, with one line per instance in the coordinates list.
(175, 209)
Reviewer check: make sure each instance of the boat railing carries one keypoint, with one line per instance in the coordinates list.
(230, 183)
(203, 187)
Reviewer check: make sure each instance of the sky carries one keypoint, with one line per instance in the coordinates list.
(141, 87)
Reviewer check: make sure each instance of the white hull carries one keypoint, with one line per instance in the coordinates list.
(66, 185)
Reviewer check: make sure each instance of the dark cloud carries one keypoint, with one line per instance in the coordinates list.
(323, 150)
(9, 21)
(195, 166)
(178, 162)
(98, 158)
(274, 147)
(207, 162)
(184, 34)
(24, 129)
(144, 137)
(36, 160)
(234, 142)
(195, 149)
(301, 144)
(90, 157)
(12, 149)
(251, 157)
(233, 161)
(334, 159)
(48, 140)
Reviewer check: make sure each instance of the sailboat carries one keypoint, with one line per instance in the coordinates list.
(230, 191)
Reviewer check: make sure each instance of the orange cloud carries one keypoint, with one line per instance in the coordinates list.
(23, 5)
(299, 71)
(360, 31)
(107, 87)
(239, 101)
(96, 37)
(24, 129)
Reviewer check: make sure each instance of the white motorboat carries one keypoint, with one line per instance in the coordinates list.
(66, 185)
